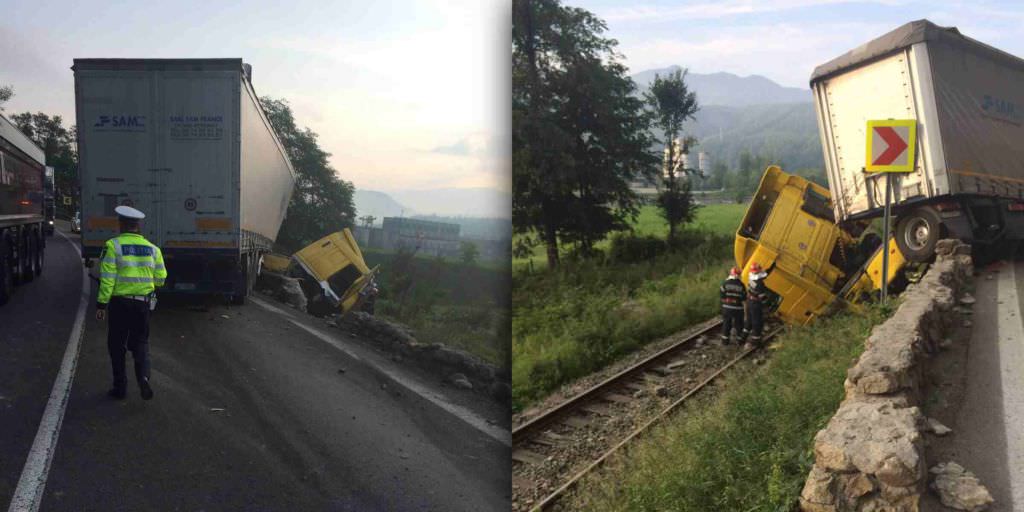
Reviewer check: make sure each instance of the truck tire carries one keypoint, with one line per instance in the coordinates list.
(917, 232)
(6, 276)
(29, 260)
(238, 299)
(40, 254)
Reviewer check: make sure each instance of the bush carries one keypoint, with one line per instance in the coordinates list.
(631, 248)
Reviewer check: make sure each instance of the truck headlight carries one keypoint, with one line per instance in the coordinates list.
(51, 222)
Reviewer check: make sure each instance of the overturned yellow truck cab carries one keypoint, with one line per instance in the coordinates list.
(815, 265)
(336, 264)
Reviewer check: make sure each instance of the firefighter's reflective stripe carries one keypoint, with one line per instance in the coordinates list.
(130, 266)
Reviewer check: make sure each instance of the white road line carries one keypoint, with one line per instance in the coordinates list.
(29, 493)
(501, 435)
(1011, 361)
(273, 308)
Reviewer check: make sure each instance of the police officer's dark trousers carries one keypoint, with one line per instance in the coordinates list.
(731, 319)
(755, 319)
(129, 330)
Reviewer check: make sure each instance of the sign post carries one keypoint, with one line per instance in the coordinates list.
(891, 144)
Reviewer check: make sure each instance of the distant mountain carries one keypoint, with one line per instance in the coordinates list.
(752, 114)
(457, 202)
(786, 133)
(379, 205)
(729, 89)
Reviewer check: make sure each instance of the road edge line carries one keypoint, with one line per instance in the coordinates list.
(28, 495)
(467, 416)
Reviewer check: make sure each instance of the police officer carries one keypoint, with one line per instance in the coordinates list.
(130, 270)
(732, 295)
(757, 295)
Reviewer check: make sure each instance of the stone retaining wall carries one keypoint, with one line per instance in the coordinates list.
(870, 456)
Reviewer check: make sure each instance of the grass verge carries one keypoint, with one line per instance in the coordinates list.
(452, 303)
(748, 448)
(573, 321)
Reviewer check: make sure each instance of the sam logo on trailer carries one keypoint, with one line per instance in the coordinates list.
(120, 123)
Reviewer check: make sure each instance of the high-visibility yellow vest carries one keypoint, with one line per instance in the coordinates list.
(130, 265)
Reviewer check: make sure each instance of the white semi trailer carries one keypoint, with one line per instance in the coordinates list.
(186, 142)
(968, 100)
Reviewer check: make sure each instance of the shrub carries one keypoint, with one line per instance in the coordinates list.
(630, 248)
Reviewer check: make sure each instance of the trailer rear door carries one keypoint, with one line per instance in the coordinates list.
(883, 89)
(115, 125)
(197, 182)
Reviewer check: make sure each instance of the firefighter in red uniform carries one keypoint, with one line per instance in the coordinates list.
(732, 294)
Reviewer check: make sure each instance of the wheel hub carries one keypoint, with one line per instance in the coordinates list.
(917, 234)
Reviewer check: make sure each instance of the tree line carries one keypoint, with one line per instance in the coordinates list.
(581, 132)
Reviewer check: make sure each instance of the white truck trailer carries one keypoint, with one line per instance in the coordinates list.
(968, 100)
(186, 142)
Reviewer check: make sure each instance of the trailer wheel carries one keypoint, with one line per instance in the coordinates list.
(29, 262)
(6, 276)
(238, 299)
(917, 232)
(40, 254)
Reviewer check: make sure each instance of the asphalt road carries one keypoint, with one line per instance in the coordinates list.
(34, 330)
(252, 412)
(988, 438)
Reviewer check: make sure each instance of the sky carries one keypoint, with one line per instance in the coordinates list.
(405, 95)
(784, 39)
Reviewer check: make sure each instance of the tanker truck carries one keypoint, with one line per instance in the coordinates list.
(967, 98)
(22, 220)
(186, 142)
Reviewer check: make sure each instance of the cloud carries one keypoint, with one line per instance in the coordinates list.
(713, 10)
(460, 148)
(476, 144)
(745, 50)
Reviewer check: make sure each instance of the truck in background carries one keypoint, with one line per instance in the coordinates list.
(22, 201)
(49, 202)
(968, 100)
(187, 142)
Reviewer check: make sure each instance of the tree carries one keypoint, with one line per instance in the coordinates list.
(673, 103)
(579, 133)
(368, 220)
(58, 144)
(6, 93)
(716, 180)
(469, 252)
(322, 202)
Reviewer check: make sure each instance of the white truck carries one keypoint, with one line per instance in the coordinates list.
(186, 142)
(968, 100)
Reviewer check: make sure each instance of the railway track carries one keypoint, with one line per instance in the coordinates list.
(540, 440)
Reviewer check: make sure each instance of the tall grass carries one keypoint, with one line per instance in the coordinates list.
(570, 322)
(750, 448)
(452, 303)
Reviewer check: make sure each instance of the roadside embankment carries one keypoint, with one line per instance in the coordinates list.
(456, 367)
(870, 455)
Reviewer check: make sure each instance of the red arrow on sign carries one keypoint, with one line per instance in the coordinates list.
(896, 145)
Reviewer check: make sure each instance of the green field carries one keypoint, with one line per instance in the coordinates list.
(575, 320)
(720, 219)
(750, 447)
